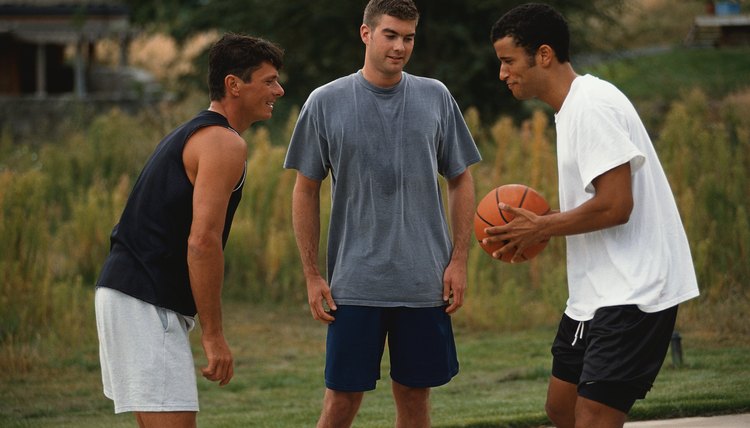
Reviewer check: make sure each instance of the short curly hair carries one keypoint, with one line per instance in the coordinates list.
(532, 25)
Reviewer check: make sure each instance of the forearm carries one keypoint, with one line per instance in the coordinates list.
(611, 206)
(461, 211)
(206, 270)
(306, 223)
(588, 217)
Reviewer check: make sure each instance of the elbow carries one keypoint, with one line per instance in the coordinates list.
(202, 244)
(621, 214)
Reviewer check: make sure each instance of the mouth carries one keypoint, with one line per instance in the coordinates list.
(270, 105)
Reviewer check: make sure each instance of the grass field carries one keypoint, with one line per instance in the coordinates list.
(278, 381)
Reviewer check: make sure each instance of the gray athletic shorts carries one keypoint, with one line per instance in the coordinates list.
(147, 364)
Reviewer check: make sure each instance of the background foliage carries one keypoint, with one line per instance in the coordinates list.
(321, 38)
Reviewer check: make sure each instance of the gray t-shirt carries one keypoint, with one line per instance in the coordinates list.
(388, 241)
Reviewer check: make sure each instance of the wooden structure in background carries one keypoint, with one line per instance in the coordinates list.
(37, 36)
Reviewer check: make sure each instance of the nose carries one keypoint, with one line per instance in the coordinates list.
(503, 72)
(398, 45)
(279, 90)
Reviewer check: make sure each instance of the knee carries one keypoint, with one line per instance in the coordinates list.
(342, 402)
(558, 414)
(409, 394)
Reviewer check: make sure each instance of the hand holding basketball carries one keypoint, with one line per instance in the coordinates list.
(516, 198)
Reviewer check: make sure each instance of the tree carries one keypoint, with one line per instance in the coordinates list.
(321, 38)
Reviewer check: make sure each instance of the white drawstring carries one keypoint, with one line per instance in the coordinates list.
(578, 334)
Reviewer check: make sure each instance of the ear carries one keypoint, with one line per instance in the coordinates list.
(545, 55)
(364, 33)
(232, 84)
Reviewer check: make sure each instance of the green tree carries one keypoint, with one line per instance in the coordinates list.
(321, 38)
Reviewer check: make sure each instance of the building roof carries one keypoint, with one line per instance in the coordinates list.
(58, 21)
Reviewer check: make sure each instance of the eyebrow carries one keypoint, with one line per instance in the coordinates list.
(391, 31)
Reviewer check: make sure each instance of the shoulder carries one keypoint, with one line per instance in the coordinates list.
(600, 91)
(591, 95)
(426, 83)
(216, 141)
(332, 89)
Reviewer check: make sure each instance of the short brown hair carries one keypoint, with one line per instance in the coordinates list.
(405, 10)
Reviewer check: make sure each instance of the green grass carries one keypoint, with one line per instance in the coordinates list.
(278, 380)
(654, 81)
(669, 74)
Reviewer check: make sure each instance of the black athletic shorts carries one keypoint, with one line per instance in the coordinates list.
(614, 357)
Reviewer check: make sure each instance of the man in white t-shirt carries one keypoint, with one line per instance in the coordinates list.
(628, 257)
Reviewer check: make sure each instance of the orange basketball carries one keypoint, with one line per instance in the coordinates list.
(489, 214)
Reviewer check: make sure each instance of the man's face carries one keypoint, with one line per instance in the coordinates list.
(389, 44)
(260, 93)
(517, 69)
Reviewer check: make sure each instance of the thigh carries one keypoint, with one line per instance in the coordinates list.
(568, 350)
(354, 348)
(421, 346)
(145, 355)
(625, 351)
(166, 420)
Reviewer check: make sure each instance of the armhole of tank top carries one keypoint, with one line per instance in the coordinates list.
(242, 181)
(244, 170)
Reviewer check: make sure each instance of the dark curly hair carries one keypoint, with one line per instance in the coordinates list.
(532, 25)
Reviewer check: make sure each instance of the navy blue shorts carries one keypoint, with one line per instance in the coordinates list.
(420, 343)
(613, 358)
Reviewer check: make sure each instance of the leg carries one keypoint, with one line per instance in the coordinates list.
(590, 413)
(166, 419)
(412, 406)
(339, 408)
(561, 403)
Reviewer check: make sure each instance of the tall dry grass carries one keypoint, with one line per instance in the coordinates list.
(60, 198)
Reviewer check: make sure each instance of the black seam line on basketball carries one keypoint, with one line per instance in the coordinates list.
(484, 220)
(497, 202)
(523, 197)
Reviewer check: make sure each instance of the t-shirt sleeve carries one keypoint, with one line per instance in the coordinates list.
(308, 148)
(457, 150)
(603, 143)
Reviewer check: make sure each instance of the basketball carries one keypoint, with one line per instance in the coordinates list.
(489, 214)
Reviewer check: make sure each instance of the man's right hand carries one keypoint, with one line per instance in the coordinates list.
(220, 362)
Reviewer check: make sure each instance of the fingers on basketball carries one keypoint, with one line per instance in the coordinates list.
(489, 214)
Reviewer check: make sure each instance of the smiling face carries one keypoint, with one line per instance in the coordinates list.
(260, 92)
(389, 45)
(517, 69)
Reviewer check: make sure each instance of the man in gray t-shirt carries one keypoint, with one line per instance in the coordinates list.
(385, 137)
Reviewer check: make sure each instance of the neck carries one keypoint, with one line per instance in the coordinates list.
(380, 79)
(560, 86)
(233, 119)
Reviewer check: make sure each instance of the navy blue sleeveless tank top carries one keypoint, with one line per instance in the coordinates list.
(148, 252)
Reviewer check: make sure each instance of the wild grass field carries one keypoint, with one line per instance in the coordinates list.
(278, 380)
(60, 196)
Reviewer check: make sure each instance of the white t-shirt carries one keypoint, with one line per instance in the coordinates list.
(646, 261)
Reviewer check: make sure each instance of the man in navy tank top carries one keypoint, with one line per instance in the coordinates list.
(166, 261)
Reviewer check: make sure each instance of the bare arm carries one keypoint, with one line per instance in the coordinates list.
(306, 221)
(461, 211)
(214, 159)
(611, 206)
